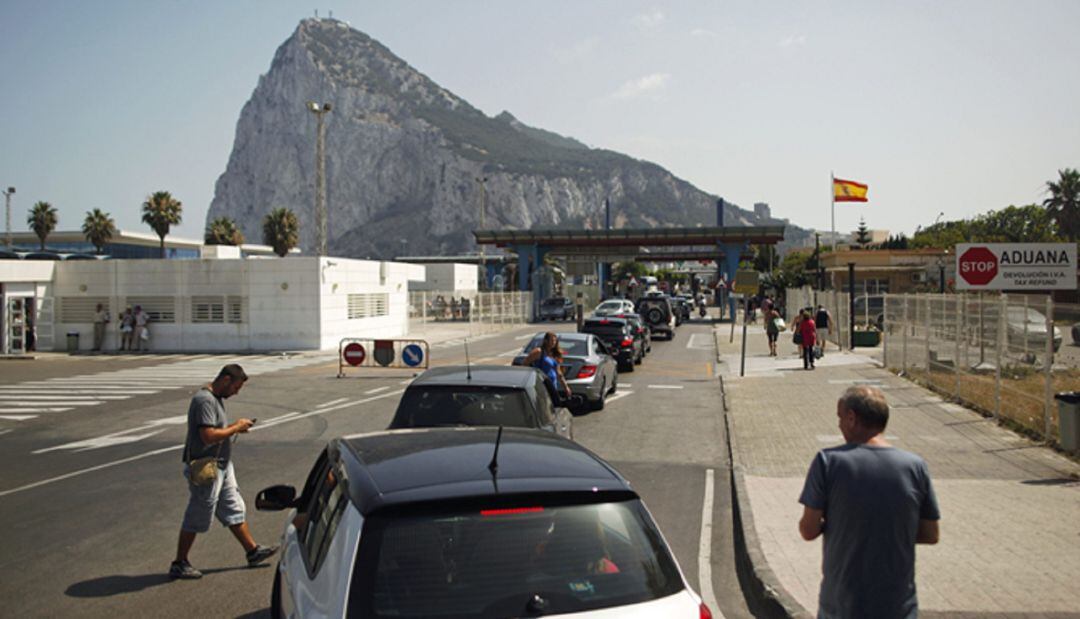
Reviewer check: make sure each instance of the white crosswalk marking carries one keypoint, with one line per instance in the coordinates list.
(26, 400)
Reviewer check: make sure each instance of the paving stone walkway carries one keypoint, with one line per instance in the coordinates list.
(1010, 529)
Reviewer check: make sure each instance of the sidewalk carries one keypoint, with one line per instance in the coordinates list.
(1010, 528)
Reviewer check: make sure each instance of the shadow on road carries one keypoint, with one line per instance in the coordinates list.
(120, 584)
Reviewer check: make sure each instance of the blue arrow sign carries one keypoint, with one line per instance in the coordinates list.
(412, 355)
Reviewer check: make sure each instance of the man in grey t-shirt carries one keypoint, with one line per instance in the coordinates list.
(209, 434)
(873, 503)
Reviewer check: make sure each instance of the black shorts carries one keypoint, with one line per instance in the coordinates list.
(772, 336)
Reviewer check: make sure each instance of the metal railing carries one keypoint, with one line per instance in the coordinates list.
(1005, 355)
(481, 311)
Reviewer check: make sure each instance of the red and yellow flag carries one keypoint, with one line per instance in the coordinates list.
(848, 191)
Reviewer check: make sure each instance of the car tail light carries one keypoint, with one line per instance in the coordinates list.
(586, 371)
(627, 342)
(510, 511)
(705, 614)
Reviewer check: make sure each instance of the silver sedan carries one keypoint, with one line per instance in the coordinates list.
(589, 369)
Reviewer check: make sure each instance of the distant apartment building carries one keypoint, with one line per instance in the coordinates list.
(762, 211)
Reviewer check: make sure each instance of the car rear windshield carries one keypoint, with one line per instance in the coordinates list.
(492, 562)
(601, 329)
(432, 407)
(570, 348)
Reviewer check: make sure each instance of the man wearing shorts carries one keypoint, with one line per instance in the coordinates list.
(209, 433)
(823, 322)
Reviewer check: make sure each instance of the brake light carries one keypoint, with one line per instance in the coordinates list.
(605, 321)
(627, 342)
(586, 371)
(510, 511)
(705, 614)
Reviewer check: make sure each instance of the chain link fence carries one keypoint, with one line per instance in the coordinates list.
(484, 312)
(834, 302)
(1004, 355)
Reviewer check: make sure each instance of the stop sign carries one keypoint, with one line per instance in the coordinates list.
(354, 354)
(978, 266)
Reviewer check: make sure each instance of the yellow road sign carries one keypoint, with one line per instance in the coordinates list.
(746, 282)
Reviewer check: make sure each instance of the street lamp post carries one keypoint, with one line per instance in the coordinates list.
(7, 208)
(483, 207)
(320, 175)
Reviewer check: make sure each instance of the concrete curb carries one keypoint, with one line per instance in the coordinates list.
(765, 597)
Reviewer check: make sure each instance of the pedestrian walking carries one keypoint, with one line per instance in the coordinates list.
(772, 329)
(211, 478)
(873, 503)
(808, 337)
(142, 329)
(823, 321)
(101, 318)
(127, 330)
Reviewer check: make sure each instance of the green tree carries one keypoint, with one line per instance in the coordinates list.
(632, 268)
(98, 228)
(900, 241)
(42, 220)
(281, 230)
(160, 211)
(862, 234)
(765, 256)
(223, 231)
(1064, 202)
(1015, 224)
(942, 234)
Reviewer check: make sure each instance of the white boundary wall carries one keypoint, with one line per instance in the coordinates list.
(296, 303)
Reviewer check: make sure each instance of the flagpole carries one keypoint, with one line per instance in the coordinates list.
(832, 200)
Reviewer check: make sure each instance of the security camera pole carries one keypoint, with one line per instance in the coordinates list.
(7, 228)
(320, 175)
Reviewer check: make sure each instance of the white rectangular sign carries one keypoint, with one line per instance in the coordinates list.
(1016, 266)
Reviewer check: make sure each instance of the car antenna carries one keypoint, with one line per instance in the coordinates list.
(468, 364)
(493, 466)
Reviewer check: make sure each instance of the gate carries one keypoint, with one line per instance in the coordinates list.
(405, 353)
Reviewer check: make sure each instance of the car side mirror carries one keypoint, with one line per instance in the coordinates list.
(275, 498)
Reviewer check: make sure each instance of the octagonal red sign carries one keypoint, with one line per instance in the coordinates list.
(978, 266)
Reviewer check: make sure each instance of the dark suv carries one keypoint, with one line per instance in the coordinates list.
(658, 314)
(620, 339)
(557, 308)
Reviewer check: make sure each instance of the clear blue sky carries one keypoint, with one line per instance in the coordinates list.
(954, 107)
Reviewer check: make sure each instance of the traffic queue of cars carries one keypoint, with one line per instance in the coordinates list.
(476, 502)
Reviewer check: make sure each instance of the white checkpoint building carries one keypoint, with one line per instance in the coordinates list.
(218, 303)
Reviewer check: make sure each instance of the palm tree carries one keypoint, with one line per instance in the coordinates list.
(160, 211)
(281, 230)
(223, 231)
(1064, 202)
(42, 220)
(98, 228)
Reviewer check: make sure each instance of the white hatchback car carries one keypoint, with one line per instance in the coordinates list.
(470, 522)
(611, 307)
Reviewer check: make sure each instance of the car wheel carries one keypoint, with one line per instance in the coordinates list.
(627, 367)
(275, 594)
(598, 405)
(637, 361)
(654, 316)
(614, 384)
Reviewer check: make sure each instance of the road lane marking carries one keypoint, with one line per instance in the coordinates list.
(525, 337)
(371, 391)
(664, 387)
(7, 395)
(705, 549)
(163, 450)
(511, 353)
(627, 385)
(331, 402)
(406, 381)
(17, 417)
(9, 402)
(9, 411)
(617, 396)
(5, 431)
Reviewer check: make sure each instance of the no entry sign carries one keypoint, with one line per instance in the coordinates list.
(354, 354)
(1016, 266)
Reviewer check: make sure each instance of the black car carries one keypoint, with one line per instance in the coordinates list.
(482, 395)
(618, 336)
(658, 314)
(470, 522)
(557, 308)
(640, 330)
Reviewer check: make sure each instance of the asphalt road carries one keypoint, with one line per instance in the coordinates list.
(91, 497)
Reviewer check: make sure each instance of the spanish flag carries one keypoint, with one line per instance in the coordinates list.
(848, 191)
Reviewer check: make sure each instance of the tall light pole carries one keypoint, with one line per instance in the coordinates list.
(7, 207)
(320, 175)
(483, 207)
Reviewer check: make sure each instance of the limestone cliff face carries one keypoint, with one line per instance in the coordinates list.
(403, 155)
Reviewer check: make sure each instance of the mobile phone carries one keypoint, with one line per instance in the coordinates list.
(253, 420)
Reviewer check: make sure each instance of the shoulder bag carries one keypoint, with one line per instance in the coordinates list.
(204, 471)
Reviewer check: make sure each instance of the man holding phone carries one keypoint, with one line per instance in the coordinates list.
(210, 435)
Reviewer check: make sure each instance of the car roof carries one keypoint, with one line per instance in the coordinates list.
(476, 375)
(597, 320)
(399, 467)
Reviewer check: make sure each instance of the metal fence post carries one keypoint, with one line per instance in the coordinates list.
(1048, 399)
(926, 335)
(1025, 328)
(885, 326)
(1003, 306)
(903, 345)
(956, 336)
